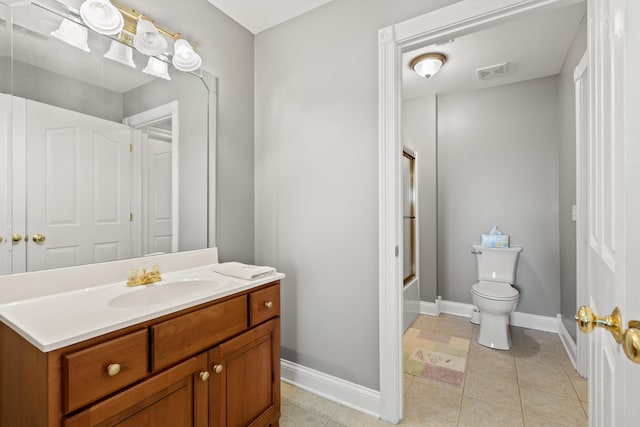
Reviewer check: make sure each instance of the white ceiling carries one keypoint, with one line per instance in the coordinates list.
(258, 15)
(534, 46)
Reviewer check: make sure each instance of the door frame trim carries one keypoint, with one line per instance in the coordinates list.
(459, 18)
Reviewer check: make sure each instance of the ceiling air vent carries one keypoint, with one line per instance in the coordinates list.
(492, 72)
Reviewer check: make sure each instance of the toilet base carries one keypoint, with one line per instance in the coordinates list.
(494, 331)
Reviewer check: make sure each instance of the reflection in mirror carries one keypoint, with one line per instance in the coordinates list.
(100, 160)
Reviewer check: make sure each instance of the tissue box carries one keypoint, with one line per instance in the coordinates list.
(495, 240)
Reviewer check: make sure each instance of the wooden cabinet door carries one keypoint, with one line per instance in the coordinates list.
(176, 397)
(245, 379)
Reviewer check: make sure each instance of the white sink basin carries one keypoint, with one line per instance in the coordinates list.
(164, 292)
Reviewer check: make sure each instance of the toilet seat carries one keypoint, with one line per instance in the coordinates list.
(495, 291)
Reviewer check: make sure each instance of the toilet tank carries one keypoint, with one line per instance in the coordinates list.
(497, 264)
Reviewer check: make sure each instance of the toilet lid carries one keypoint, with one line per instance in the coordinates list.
(495, 290)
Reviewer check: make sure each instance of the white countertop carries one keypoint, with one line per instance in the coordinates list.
(55, 321)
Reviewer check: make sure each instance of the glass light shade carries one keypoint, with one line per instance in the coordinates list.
(73, 34)
(157, 68)
(101, 16)
(428, 64)
(148, 40)
(184, 57)
(120, 53)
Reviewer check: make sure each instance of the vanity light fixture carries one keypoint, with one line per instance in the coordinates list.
(428, 64)
(147, 39)
(73, 34)
(101, 16)
(121, 53)
(184, 57)
(158, 67)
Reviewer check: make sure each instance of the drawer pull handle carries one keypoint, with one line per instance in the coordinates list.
(204, 375)
(217, 368)
(113, 369)
(268, 304)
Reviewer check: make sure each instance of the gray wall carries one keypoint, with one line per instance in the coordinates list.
(227, 53)
(419, 132)
(316, 147)
(44, 86)
(566, 102)
(498, 164)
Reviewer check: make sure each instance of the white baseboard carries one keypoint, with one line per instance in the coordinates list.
(456, 308)
(524, 320)
(570, 347)
(430, 308)
(348, 394)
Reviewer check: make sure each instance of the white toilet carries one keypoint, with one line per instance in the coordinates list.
(493, 294)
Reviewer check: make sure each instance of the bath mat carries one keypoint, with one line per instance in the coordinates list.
(441, 358)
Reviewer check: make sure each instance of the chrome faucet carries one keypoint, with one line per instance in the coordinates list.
(136, 278)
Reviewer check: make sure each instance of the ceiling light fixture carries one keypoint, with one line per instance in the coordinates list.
(101, 16)
(428, 64)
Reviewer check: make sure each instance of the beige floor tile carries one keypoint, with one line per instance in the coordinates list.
(427, 323)
(548, 380)
(314, 403)
(581, 385)
(333, 424)
(504, 393)
(552, 407)
(406, 382)
(478, 413)
(415, 418)
(287, 390)
(294, 416)
(530, 421)
(351, 418)
(433, 401)
(585, 407)
(504, 371)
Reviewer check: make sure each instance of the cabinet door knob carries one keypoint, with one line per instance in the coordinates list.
(204, 375)
(15, 237)
(217, 368)
(268, 304)
(113, 369)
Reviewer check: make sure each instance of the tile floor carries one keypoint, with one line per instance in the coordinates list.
(533, 384)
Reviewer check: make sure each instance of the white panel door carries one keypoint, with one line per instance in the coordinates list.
(613, 204)
(78, 188)
(158, 207)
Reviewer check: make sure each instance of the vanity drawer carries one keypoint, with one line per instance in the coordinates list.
(86, 375)
(264, 304)
(178, 338)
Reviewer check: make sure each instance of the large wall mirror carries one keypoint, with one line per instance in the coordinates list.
(105, 153)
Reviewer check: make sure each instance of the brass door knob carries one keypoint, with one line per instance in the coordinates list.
(0, 239)
(204, 375)
(587, 321)
(38, 238)
(15, 237)
(113, 369)
(268, 304)
(631, 341)
(217, 368)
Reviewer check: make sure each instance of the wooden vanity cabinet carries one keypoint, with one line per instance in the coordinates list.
(245, 385)
(207, 366)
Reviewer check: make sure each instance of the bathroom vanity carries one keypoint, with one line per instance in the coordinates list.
(210, 358)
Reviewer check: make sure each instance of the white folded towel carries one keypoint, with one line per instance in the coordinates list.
(243, 271)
